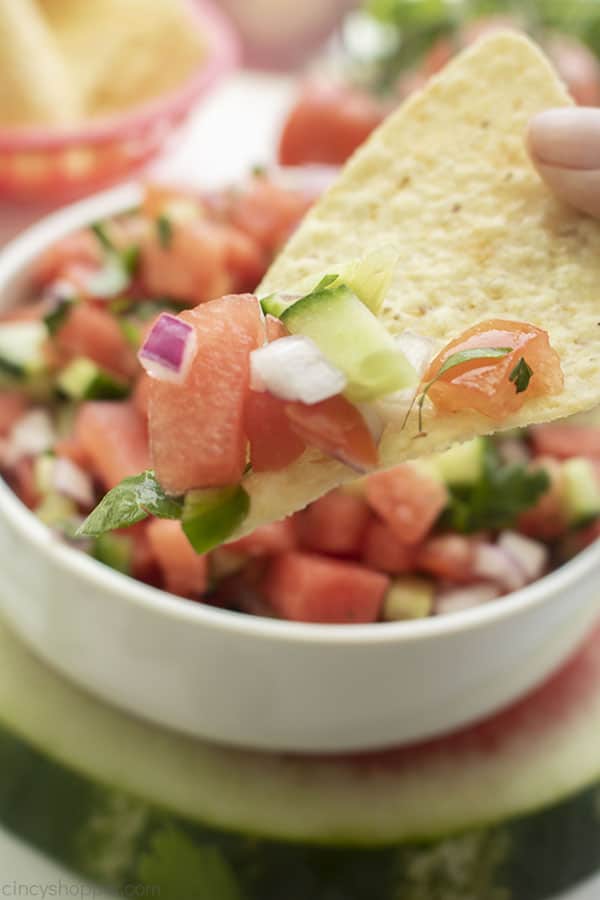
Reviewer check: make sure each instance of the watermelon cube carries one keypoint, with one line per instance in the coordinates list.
(197, 430)
(113, 437)
(183, 570)
(383, 551)
(306, 588)
(408, 499)
(335, 524)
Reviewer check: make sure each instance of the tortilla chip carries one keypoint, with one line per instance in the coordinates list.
(446, 180)
(123, 52)
(34, 83)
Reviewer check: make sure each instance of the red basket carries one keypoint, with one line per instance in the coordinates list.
(38, 164)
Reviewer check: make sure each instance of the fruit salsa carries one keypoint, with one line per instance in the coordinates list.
(101, 363)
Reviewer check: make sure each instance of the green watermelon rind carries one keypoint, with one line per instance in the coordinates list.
(100, 791)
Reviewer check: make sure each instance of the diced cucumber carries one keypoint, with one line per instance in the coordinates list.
(408, 598)
(354, 340)
(580, 490)
(276, 304)
(22, 348)
(370, 277)
(463, 463)
(84, 380)
(55, 510)
(43, 472)
(211, 516)
(114, 550)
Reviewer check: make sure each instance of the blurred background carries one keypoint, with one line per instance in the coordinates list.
(92, 93)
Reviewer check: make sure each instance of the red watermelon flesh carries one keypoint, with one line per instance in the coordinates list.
(113, 437)
(197, 432)
(185, 572)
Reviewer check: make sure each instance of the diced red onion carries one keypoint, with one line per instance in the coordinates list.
(33, 434)
(493, 563)
(530, 556)
(418, 350)
(169, 349)
(457, 599)
(514, 452)
(71, 481)
(293, 368)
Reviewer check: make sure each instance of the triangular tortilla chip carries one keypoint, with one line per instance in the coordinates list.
(446, 180)
(34, 83)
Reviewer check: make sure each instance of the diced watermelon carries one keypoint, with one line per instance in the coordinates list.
(547, 520)
(12, 406)
(273, 442)
(275, 328)
(409, 500)
(267, 212)
(565, 441)
(95, 333)
(245, 260)
(336, 428)
(449, 557)
(81, 247)
(166, 199)
(184, 571)
(72, 448)
(383, 551)
(141, 394)
(335, 523)
(276, 537)
(484, 385)
(197, 430)
(192, 268)
(22, 480)
(306, 588)
(114, 438)
(328, 123)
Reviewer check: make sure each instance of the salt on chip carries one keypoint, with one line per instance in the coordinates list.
(447, 182)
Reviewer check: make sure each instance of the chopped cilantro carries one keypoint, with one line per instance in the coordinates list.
(132, 500)
(104, 239)
(500, 495)
(164, 229)
(60, 311)
(119, 266)
(521, 375)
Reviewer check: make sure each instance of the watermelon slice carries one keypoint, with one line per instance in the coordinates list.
(408, 499)
(94, 333)
(506, 810)
(13, 404)
(197, 430)
(336, 523)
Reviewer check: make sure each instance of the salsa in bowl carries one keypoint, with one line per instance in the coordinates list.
(204, 668)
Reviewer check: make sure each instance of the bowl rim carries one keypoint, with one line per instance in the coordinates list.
(15, 258)
(223, 53)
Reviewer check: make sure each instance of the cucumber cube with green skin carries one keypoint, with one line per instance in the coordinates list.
(371, 276)
(84, 380)
(461, 464)
(114, 550)
(22, 348)
(354, 340)
(55, 510)
(408, 598)
(276, 304)
(210, 516)
(580, 490)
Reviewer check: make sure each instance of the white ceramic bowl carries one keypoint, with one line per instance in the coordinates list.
(259, 682)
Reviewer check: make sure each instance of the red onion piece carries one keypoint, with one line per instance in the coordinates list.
(457, 599)
(71, 481)
(529, 555)
(169, 349)
(33, 434)
(493, 563)
(293, 368)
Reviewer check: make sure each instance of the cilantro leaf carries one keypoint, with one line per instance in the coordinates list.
(119, 265)
(499, 496)
(183, 870)
(164, 229)
(58, 314)
(457, 359)
(100, 230)
(521, 375)
(132, 500)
